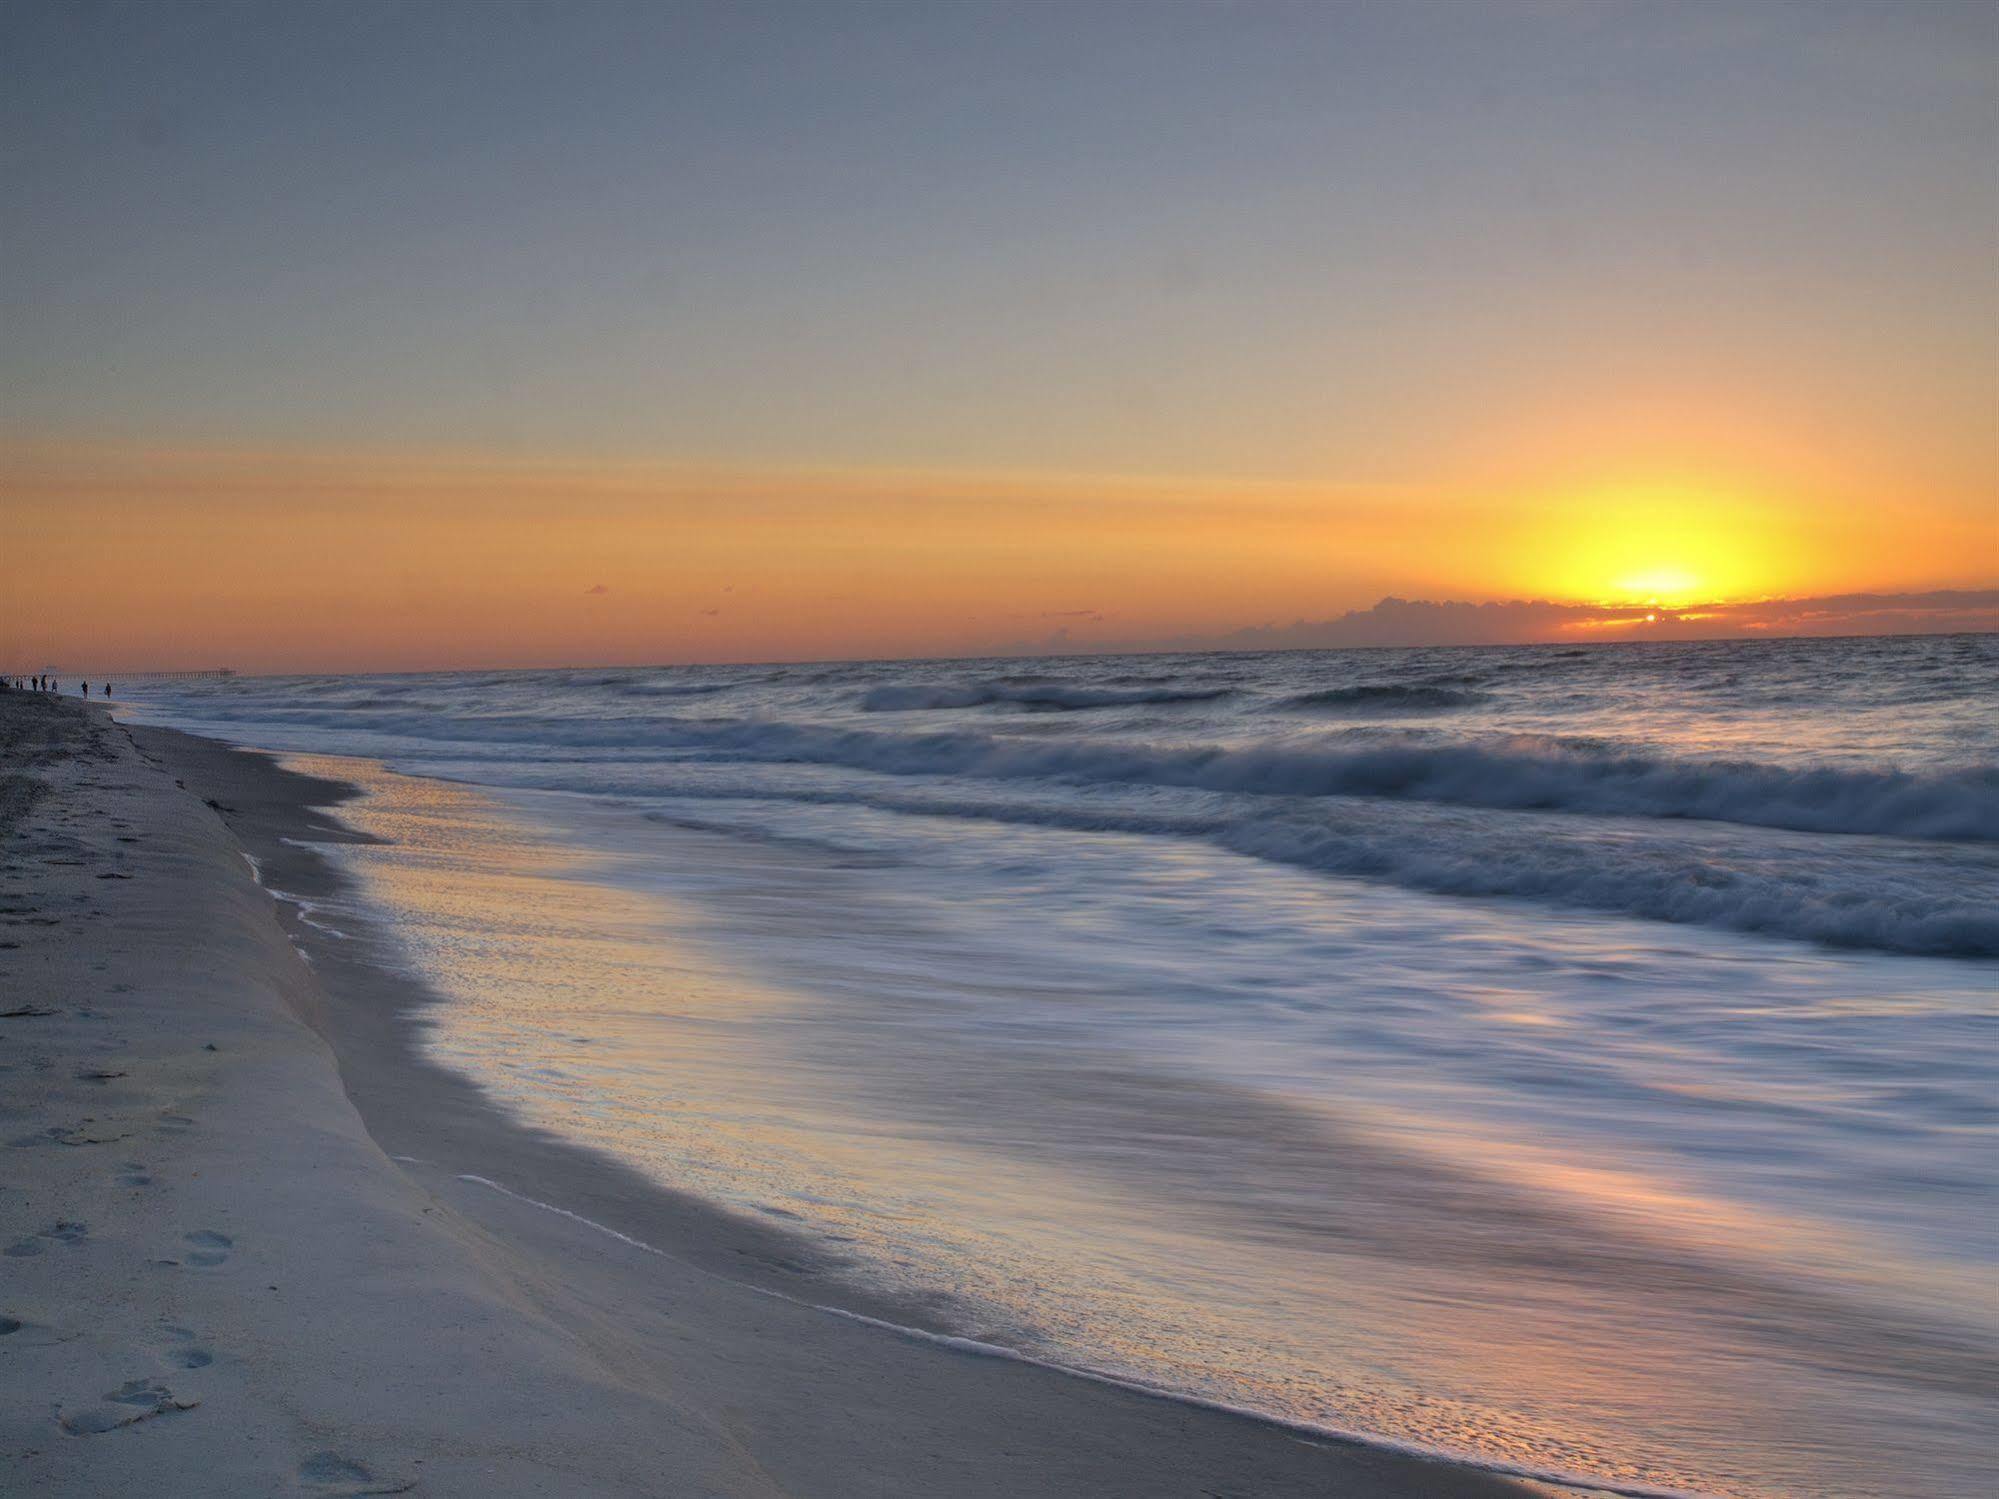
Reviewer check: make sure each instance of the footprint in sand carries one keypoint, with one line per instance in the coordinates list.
(330, 1473)
(134, 1401)
(187, 1352)
(66, 1136)
(330, 1467)
(210, 1247)
(63, 1233)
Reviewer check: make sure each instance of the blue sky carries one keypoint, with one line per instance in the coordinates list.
(1288, 239)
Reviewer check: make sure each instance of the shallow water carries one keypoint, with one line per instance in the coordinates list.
(1579, 1059)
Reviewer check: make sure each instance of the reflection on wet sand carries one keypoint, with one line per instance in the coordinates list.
(699, 1004)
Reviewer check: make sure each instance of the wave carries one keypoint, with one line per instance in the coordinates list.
(1516, 773)
(1520, 773)
(1024, 692)
(1828, 905)
(365, 704)
(1385, 696)
(1824, 896)
(672, 689)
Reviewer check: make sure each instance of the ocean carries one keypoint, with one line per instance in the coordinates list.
(1578, 1059)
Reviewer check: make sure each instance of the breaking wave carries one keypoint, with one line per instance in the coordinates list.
(1385, 697)
(690, 689)
(915, 696)
(1825, 896)
(1629, 810)
(1507, 773)
(1510, 774)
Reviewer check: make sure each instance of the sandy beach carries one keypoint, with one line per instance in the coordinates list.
(243, 1255)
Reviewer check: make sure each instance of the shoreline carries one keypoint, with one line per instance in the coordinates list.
(581, 1329)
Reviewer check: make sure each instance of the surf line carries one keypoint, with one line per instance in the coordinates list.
(979, 1349)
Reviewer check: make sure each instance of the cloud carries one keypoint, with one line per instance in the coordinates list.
(1396, 621)
(710, 613)
(1092, 614)
(596, 588)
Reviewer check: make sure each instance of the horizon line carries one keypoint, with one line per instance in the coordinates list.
(112, 675)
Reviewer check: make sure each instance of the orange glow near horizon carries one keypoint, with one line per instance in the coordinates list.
(274, 562)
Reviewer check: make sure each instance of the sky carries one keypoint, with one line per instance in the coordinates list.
(369, 335)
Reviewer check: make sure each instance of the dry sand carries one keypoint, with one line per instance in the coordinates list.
(217, 1277)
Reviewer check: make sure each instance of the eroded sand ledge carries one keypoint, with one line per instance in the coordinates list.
(215, 1280)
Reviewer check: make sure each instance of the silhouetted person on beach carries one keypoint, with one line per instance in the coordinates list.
(86, 689)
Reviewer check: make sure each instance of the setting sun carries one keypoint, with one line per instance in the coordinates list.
(1667, 544)
(1660, 585)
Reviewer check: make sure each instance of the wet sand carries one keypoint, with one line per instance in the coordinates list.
(242, 1252)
